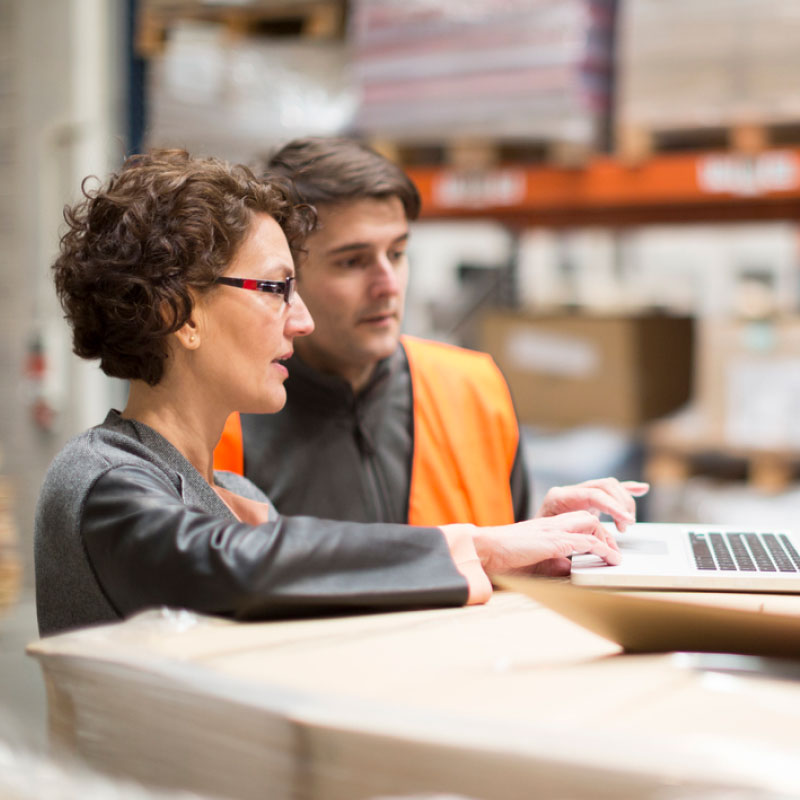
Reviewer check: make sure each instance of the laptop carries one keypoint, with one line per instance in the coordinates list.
(697, 557)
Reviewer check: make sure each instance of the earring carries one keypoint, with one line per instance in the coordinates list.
(191, 339)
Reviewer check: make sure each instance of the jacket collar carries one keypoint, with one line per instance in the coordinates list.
(191, 485)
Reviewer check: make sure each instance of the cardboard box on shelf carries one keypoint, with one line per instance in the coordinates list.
(566, 370)
(704, 63)
(744, 421)
(749, 382)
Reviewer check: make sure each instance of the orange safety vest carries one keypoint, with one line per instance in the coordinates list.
(229, 452)
(465, 437)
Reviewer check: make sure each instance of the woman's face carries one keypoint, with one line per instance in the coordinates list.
(246, 335)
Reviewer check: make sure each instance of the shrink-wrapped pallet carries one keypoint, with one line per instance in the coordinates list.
(503, 701)
(237, 98)
(693, 64)
(514, 70)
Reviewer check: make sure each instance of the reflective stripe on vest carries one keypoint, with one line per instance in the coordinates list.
(465, 437)
(229, 452)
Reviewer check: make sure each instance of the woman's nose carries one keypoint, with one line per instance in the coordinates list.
(299, 321)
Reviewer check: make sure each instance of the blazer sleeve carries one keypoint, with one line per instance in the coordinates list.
(147, 547)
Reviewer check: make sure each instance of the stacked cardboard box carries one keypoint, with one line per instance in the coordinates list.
(567, 370)
(238, 98)
(519, 69)
(504, 701)
(697, 63)
(747, 395)
(744, 419)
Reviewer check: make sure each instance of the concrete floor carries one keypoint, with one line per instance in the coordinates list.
(22, 698)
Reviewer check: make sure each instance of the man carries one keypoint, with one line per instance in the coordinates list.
(379, 426)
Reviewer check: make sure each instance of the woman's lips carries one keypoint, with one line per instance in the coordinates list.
(281, 367)
(278, 362)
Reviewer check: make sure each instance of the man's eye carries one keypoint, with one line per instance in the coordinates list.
(352, 263)
(396, 255)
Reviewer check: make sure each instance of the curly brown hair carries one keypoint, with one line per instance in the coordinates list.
(165, 223)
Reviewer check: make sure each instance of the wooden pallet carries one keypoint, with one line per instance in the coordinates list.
(637, 143)
(769, 472)
(6, 494)
(317, 19)
(10, 580)
(481, 153)
(10, 564)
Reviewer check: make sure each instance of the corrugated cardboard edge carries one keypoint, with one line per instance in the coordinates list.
(654, 625)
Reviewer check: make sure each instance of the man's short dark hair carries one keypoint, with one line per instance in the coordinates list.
(327, 170)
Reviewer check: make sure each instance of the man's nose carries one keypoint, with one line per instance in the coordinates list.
(385, 279)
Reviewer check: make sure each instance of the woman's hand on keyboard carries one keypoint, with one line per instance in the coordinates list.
(600, 496)
(545, 544)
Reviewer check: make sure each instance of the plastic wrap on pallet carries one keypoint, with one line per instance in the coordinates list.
(515, 70)
(127, 700)
(30, 775)
(707, 63)
(239, 98)
(404, 705)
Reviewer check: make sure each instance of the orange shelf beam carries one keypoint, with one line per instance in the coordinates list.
(689, 187)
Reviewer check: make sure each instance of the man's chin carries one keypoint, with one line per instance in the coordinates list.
(363, 350)
(383, 346)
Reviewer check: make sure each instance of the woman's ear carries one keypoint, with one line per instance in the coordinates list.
(189, 334)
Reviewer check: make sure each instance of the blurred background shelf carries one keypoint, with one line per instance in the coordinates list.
(314, 19)
(690, 188)
(583, 162)
(579, 159)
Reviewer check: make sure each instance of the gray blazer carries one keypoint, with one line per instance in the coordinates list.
(125, 522)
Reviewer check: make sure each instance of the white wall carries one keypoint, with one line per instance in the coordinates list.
(69, 85)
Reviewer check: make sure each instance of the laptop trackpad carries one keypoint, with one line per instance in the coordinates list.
(631, 548)
(643, 547)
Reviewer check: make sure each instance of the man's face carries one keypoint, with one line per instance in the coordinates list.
(353, 279)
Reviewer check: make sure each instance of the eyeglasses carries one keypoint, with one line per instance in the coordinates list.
(286, 288)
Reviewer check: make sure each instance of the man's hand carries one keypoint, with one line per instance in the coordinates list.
(543, 545)
(601, 496)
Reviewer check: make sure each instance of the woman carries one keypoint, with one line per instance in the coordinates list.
(178, 275)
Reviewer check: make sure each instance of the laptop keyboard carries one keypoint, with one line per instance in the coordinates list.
(744, 552)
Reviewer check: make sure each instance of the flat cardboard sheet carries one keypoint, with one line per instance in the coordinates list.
(503, 702)
(659, 622)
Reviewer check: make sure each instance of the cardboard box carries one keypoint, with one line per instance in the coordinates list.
(566, 370)
(749, 383)
(693, 63)
(504, 701)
